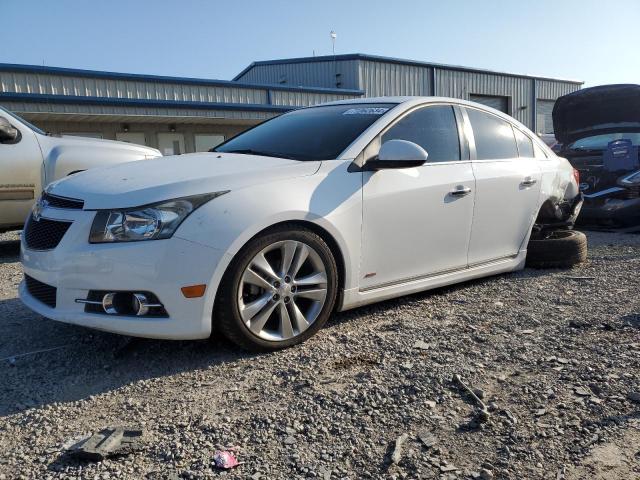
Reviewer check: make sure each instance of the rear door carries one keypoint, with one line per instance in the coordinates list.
(507, 187)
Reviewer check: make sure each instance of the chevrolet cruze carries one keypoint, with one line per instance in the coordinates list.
(324, 208)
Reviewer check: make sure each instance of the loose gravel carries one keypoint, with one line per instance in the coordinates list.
(553, 355)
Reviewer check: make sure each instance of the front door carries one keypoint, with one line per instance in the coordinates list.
(20, 175)
(507, 188)
(417, 221)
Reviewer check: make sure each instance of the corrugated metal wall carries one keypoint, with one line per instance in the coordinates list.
(317, 74)
(21, 82)
(303, 99)
(459, 84)
(549, 90)
(380, 79)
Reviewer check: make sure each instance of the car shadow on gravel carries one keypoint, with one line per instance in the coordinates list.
(415, 298)
(9, 251)
(45, 362)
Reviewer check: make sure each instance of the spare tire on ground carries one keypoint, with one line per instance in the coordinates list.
(558, 249)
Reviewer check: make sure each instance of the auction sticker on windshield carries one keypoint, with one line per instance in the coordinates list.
(366, 111)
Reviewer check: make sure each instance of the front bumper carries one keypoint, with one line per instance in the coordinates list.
(162, 267)
(611, 212)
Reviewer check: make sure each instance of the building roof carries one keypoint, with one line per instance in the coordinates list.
(401, 61)
(74, 72)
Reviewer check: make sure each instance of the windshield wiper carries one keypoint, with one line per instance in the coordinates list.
(248, 151)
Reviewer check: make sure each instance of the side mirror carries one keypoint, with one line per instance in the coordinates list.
(398, 154)
(8, 133)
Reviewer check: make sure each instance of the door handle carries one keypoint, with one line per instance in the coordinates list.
(528, 181)
(460, 191)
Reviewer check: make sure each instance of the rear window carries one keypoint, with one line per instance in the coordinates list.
(317, 133)
(525, 145)
(494, 136)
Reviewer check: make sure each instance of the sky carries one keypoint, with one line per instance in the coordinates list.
(591, 40)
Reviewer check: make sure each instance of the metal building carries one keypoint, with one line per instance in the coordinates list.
(528, 98)
(180, 115)
(173, 114)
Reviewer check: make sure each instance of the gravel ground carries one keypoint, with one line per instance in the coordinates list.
(553, 354)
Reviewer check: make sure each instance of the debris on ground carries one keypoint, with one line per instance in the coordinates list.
(428, 439)
(226, 459)
(483, 412)
(397, 449)
(422, 345)
(108, 442)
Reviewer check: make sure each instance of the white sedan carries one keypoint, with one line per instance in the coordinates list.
(324, 208)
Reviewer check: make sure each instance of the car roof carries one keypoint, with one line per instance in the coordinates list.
(410, 101)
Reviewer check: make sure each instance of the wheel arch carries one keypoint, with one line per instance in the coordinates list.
(319, 230)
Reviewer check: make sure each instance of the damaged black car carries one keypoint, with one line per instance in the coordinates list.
(599, 132)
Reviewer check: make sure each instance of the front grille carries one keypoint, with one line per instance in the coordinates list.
(41, 291)
(44, 234)
(62, 202)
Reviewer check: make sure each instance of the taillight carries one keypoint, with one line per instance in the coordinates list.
(576, 175)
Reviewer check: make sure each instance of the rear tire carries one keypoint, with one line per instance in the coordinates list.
(560, 249)
(281, 306)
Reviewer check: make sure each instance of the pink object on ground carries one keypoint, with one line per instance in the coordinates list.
(225, 459)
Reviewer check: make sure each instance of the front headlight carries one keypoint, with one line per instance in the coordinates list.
(148, 222)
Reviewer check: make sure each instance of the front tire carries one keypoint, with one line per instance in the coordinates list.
(278, 291)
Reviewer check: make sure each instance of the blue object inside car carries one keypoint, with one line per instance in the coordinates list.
(621, 155)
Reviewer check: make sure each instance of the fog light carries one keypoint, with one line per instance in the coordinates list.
(126, 303)
(139, 304)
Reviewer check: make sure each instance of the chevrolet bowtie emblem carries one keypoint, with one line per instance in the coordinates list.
(40, 205)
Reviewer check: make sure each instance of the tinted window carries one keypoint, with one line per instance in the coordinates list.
(433, 128)
(538, 152)
(494, 136)
(525, 145)
(318, 133)
(600, 142)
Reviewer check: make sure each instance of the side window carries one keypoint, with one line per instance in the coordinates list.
(525, 145)
(538, 152)
(494, 136)
(433, 128)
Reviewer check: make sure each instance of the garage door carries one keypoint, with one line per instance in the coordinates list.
(544, 111)
(499, 103)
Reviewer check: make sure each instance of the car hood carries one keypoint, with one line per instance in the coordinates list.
(597, 110)
(111, 147)
(149, 181)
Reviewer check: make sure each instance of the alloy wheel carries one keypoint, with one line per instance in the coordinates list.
(282, 290)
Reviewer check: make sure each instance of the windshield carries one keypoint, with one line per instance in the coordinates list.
(600, 142)
(317, 133)
(23, 121)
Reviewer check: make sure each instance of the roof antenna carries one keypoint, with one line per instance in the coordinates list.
(333, 36)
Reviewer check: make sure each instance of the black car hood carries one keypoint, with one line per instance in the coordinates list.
(597, 110)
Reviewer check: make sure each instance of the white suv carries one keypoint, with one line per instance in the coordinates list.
(323, 208)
